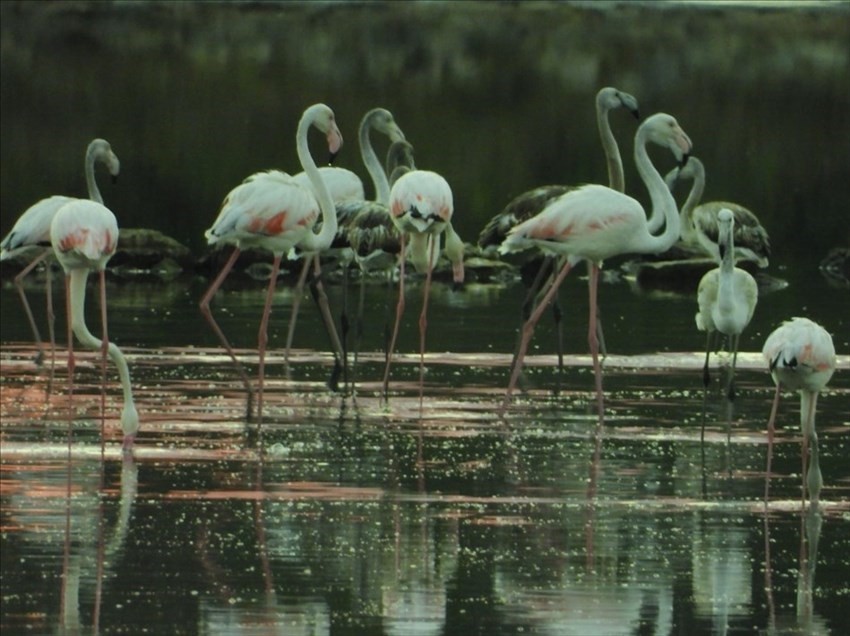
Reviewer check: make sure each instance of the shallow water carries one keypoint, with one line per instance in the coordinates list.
(343, 514)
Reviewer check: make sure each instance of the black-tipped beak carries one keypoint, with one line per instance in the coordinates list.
(684, 160)
(332, 157)
(722, 249)
(636, 113)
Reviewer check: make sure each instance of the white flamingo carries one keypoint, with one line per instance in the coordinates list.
(595, 222)
(84, 235)
(700, 227)
(271, 211)
(801, 357)
(31, 232)
(727, 297)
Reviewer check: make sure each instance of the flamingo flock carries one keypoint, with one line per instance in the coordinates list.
(323, 211)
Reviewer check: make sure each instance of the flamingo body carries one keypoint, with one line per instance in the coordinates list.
(269, 210)
(343, 184)
(32, 228)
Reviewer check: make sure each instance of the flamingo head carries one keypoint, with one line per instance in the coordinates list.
(322, 117)
(610, 98)
(383, 121)
(663, 130)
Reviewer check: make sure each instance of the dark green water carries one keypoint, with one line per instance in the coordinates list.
(343, 515)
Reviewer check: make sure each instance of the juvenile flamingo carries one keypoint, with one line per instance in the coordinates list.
(32, 232)
(801, 357)
(727, 298)
(700, 227)
(421, 207)
(595, 222)
(269, 210)
(530, 203)
(84, 235)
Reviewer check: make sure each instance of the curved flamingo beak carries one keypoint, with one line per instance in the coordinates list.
(334, 142)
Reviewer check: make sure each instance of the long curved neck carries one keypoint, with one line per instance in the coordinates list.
(321, 241)
(694, 197)
(616, 177)
(661, 197)
(77, 290)
(92, 155)
(373, 164)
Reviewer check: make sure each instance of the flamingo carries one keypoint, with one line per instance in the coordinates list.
(348, 199)
(801, 357)
(700, 227)
(421, 207)
(532, 202)
(727, 298)
(595, 222)
(32, 231)
(271, 211)
(84, 235)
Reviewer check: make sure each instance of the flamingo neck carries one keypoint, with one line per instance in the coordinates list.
(373, 165)
(661, 197)
(77, 290)
(616, 177)
(92, 155)
(321, 241)
(694, 197)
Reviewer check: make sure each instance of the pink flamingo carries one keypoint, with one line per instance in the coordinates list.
(349, 201)
(421, 207)
(801, 357)
(271, 211)
(32, 231)
(528, 204)
(84, 235)
(595, 222)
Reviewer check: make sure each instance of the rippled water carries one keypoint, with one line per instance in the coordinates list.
(344, 514)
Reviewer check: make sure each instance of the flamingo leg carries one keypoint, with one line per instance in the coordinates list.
(770, 435)
(205, 310)
(19, 285)
(263, 335)
(104, 350)
(706, 380)
(528, 331)
(71, 361)
(423, 322)
(813, 480)
(51, 320)
(399, 310)
(317, 289)
(296, 304)
(593, 339)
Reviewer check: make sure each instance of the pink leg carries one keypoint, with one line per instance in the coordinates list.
(296, 305)
(528, 331)
(399, 310)
(321, 299)
(593, 339)
(51, 320)
(205, 310)
(263, 336)
(423, 323)
(770, 433)
(71, 361)
(19, 279)
(104, 348)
